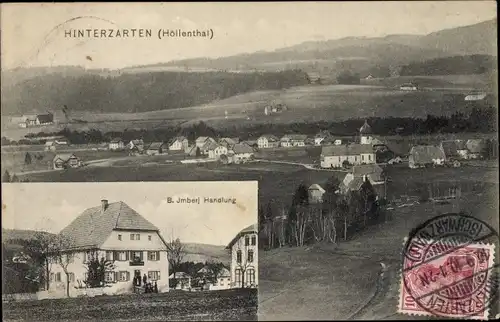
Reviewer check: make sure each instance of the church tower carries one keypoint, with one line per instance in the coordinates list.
(366, 133)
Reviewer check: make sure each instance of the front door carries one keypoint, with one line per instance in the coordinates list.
(137, 277)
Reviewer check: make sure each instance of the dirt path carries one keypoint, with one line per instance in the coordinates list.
(305, 165)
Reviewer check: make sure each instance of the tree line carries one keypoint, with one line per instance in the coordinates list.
(334, 219)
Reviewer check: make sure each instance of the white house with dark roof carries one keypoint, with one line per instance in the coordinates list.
(215, 150)
(315, 193)
(116, 144)
(65, 160)
(179, 143)
(244, 258)
(291, 140)
(426, 155)
(241, 152)
(360, 173)
(268, 141)
(116, 232)
(334, 156)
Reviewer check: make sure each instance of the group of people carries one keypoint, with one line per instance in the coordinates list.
(149, 286)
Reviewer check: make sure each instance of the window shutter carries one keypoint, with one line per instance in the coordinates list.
(127, 256)
(157, 255)
(158, 275)
(128, 276)
(142, 258)
(116, 277)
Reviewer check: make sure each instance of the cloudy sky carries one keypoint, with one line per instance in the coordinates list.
(52, 206)
(33, 34)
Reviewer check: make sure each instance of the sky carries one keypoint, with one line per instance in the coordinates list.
(52, 206)
(33, 34)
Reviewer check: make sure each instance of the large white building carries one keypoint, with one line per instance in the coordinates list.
(119, 234)
(334, 156)
(244, 258)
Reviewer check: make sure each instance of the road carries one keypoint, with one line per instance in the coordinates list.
(305, 165)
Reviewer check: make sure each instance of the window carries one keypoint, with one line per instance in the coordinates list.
(119, 237)
(370, 157)
(109, 255)
(122, 255)
(238, 256)
(250, 256)
(153, 256)
(247, 240)
(58, 277)
(149, 237)
(237, 276)
(132, 236)
(123, 276)
(109, 276)
(254, 240)
(250, 278)
(71, 277)
(137, 236)
(362, 157)
(136, 256)
(87, 256)
(154, 275)
(355, 158)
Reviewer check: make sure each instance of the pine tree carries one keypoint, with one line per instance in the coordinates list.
(6, 176)
(27, 158)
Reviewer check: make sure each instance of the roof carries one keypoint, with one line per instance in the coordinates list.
(316, 186)
(423, 154)
(45, 118)
(177, 138)
(366, 128)
(398, 147)
(355, 184)
(323, 134)
(155, 145)
(223, 273)
(140, 141)
(116, 140)
(296, 137)
(93, 226)
(348, 149)
(180, 275)
(242, 148)
(367, 169)
(248, 230)
(212, 146)
(202, 139)
(476, 145)
(230, 141)
(64, 156)
(269, 137)
(451, 147)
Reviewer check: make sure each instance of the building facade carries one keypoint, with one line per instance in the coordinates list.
(336, 156)
(179, 143)
(244, 258)
(268, 141)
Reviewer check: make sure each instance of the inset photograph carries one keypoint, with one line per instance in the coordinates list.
(133, 251)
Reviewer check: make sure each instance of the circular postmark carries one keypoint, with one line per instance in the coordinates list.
(449, 269)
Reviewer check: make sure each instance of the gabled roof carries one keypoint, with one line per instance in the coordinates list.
(450, 147)
(139, 141)
(476, 145)
(269, 137)
(202, 139)
(180, 275)
(229, 141)
(45, 118)
(367, 169)
(155, 146)
(93, 226)
(296, 137)
(64, 156)
(323, 134)
(116, 140)
(248, 230)
(212, 146)
(348, 149)
(366, 128)
(316, 186)
(242, 148)
(424, 154)
(177, 138)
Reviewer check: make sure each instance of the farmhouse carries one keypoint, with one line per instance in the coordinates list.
(223, 281)
(136, 145)
(408, 87)
(44, 119)
(359, 174)
(321, 136)
(179, 143)
(116, 144)
(268, 141)
(117, 233)
(215, 150)
(244, 258)
(291, 140)
(65, 160)
(426, 155)
(477, 148)
(180, 281)
(229, 142)
(455, 149)
(156, 148)
(315, 193)
(202, 141)
(336, 156)
(241, 152)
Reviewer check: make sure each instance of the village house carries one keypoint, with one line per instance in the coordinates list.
(244, 258)
(156, 148)
(117, 233)
(229, 142)
(34, 120)
(268, 141)
(241, 152)
(116, 144)
(359, 174)
(315, 193)
(336, 156)
(136, 145)
(65, 160)
(477, 148)
(181, 281)
(215, 150)
(455, 149)
(179, 143)
(204, 140)
(426, 155)
(408, 87)
(44, 119)
(291, 140)
(321, 136)
(223, 281)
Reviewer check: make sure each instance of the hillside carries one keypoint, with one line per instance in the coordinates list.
(456, 65)
(16, 234)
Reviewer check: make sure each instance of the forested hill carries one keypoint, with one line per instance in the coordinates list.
(141, 92)
(456, 65)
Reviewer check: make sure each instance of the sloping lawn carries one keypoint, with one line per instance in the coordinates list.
(237, 304)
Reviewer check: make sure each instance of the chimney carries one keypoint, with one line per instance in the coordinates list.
(104, 205)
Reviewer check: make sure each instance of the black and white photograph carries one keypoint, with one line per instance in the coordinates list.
(130, 251)
(368, 128)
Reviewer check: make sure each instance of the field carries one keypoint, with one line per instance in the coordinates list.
(197, 306)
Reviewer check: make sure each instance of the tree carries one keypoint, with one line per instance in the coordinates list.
(27, 158)
(96, 270)
(213, 271)
(6, 176)
(176, 252)
(63, 256)
(198, 152)
(224, 159)
(346, 164)
(297, 216)
(39, 249)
